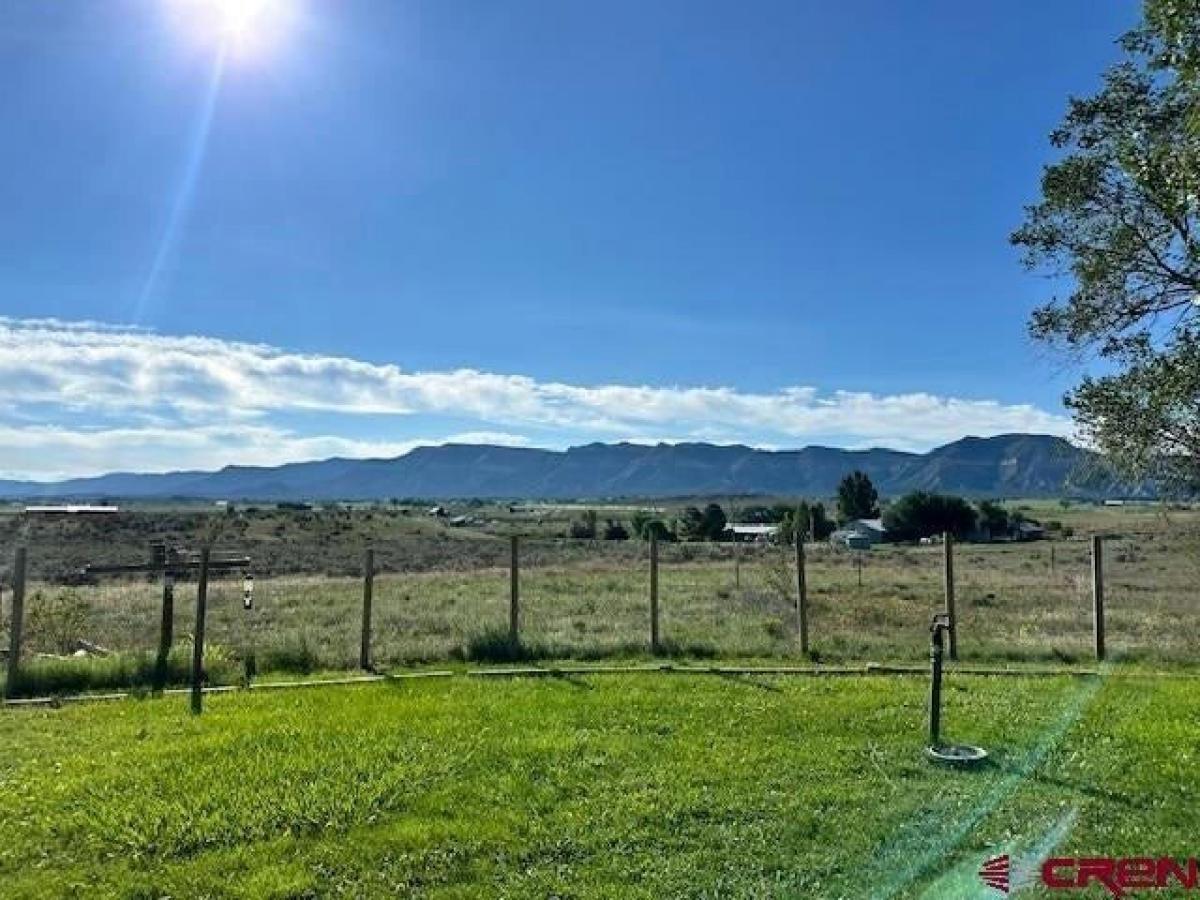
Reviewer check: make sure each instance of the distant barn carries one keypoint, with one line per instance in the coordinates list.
(751, 531)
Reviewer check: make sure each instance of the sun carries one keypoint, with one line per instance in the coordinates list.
(242, 28)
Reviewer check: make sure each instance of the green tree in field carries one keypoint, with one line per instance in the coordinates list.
(758, 515)
(993, 518)
(1119, 216)
(646, 524)
(808, 518)
(585, 528)
(922, 514)
(615, 531)
(639, 521)
(857, 498)
(706, 524)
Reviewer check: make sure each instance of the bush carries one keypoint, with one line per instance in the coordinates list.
(295, 656)
(55, 623)
(922, 514)
(615, 531)
(41, 677)
(495, 645)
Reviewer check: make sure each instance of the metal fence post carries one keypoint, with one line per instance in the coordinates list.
(948, 564)
(166, 631)
(514, 592)
(16, 626)
(1098, 594)
(654, 642)
(801, 593)
(198, 637)
(364, 653)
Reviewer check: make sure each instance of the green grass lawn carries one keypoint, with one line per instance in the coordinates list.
(651, 785)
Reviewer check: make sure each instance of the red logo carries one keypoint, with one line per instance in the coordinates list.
(1117, 875)
(995, 872)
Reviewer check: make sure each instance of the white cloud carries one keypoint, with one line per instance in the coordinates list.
(226, 392)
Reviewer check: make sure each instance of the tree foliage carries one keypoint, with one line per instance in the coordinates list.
(1118, 217)
(993, 518)
(706, 524)
(615, 531)
(922, 514)
(809, 518)
(857, 497)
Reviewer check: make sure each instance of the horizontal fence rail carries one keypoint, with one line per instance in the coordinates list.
(513, 599)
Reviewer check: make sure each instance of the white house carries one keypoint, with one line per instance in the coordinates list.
(858, 532)
(751, 531)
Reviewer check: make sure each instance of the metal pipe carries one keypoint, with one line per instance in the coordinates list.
(937, 631)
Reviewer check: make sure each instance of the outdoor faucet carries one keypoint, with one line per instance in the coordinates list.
(937, 642)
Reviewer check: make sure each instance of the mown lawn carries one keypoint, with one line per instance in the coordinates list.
(652, 785)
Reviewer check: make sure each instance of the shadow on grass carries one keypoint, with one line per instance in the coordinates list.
(495, 645)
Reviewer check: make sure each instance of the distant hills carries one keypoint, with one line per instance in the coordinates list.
(1011, 465)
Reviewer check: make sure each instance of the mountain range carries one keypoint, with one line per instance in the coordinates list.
(1011, 465)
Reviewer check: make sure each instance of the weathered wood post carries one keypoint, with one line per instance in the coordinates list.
(801, 593)
(514, 593)
(16, 626)
(1098, 594)
(364, 651)
(198, 637)
(737, 567)
(1051, 559)
(654, 642)
(948, 577)
(166, 631)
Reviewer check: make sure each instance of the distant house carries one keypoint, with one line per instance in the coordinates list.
(1029, 531)
(750, 531)
(860, 534)
(437, 511)
(72, 509)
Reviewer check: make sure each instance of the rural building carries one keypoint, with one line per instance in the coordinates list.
(860, 534)
(1029, 531)
(748, 531)
(72, 509)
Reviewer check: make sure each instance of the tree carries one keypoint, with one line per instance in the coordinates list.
(639, 520)
(646, 524)
(857, 497)
(615, 531)
(657, 528)
(585, 529)
(715, 522)
(1119, 216)
(922, 514)
(758, 515)
(706, 524)
(993, 518)
(809, 518)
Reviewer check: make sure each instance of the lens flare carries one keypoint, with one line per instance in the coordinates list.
(243, 28)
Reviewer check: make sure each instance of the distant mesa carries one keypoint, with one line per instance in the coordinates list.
(1010, 465)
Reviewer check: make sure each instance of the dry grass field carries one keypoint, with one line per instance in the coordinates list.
(442, 594)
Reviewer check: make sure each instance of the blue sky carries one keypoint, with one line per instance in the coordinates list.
(777, 223)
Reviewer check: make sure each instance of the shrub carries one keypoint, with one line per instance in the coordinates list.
(55, 623)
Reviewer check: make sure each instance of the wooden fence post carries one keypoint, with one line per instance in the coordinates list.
(16, 626)
(166, 631)
(198, 637)
(364, 652)
(801, 593)
(654, 644)
(737, 567)
(514, 593)
(1098, 594)
(948, 574)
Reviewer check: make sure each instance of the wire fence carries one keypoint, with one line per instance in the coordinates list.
(582, 599)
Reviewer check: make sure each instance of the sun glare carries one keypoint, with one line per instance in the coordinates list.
(243, 28)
